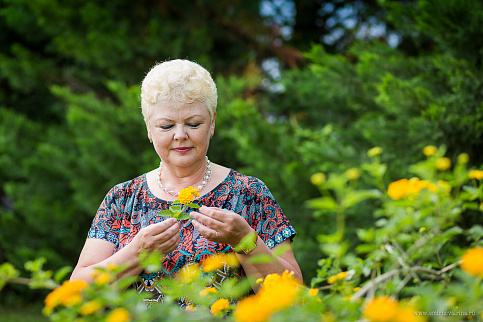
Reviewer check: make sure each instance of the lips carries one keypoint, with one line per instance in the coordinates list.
(182, 150)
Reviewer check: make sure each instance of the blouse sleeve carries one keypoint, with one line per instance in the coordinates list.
(265, 215)
(107, 222)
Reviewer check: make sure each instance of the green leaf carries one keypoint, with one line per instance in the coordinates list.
(365, 248)
(261, 259)
(175, 208)
(280, 250)
(183, 216)
(193, 205)
(247, 242)
(61, 273)
(165, 213)
(354, 197)
(322, 203)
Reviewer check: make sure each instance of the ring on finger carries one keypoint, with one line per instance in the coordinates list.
(216, 233)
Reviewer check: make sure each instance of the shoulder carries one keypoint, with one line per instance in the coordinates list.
(249, 184)
(126, 188)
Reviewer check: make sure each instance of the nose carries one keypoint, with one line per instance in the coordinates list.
(180, 133)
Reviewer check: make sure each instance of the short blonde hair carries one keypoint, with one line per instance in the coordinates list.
(180, 81)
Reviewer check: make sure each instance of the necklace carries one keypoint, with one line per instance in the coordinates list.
(206, 178)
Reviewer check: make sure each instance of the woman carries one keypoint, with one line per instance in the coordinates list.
(178, 100)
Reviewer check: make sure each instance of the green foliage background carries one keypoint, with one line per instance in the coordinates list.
(71, 128)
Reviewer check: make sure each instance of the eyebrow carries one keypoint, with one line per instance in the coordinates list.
(186, 119)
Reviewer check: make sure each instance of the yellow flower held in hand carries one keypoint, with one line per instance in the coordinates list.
(473, 261)
(381, 309)
(219, 306)
(119, 315)
(187, 195)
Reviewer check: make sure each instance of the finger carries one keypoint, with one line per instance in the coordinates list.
(209, 233)
(213, 212)
(167, 234)
(206, 220)
(162, 226)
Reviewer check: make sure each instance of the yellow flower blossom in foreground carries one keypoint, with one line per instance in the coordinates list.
(90, 307)
(430, 150)
(277, 293)
(381, 309)
(443, 164)
(337, 277)
(473, 261)
(208, 290)
(187, 195)
(68, 294)
(219, 306)
(190, 308)
(101, 277)
(406, 313)
(476, 174)
(313, 291)
(189, 273)
(119, 315)
(218, 261)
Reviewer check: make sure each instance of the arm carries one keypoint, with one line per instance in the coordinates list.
(97, 253)
(224, 226)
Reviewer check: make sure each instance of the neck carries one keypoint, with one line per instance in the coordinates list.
(172, 180)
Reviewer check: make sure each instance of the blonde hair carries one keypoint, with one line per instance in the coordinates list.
(180, 81)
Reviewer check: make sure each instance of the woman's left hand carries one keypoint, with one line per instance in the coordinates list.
(220, 225)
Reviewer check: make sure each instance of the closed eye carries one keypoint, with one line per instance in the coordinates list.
(193, 124)
(166, 127)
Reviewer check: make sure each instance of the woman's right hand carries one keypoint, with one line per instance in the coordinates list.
(161, 237)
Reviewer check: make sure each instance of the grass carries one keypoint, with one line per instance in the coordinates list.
(24, 314)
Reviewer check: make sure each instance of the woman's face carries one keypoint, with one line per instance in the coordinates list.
(181, 132)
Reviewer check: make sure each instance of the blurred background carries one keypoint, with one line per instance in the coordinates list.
(304, 86)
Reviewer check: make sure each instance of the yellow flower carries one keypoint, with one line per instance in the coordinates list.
(68, 294)
(219, 306)
(328, 317)
(313, 291)
(189, 273)
(250, 309)
(208, 290)
(337, 277)
(463, 158)
(375, 151)
(353, 173)
(406, 313)
(430, 150)
(476, 174)
(381, 309)
(119, 315)
(190, 308)
(473, 261)
(277, 293)
(318, 178)
(356, 289)
(101, 277)
(398, 189)
(90, 307)
(443, 164)
(187, 195)
(219, 260)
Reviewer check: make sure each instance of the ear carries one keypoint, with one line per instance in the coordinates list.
(212, 127)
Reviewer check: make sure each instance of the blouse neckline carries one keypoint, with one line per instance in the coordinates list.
(150, 193)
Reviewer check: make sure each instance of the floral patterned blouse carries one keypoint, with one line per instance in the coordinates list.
(130, 206)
